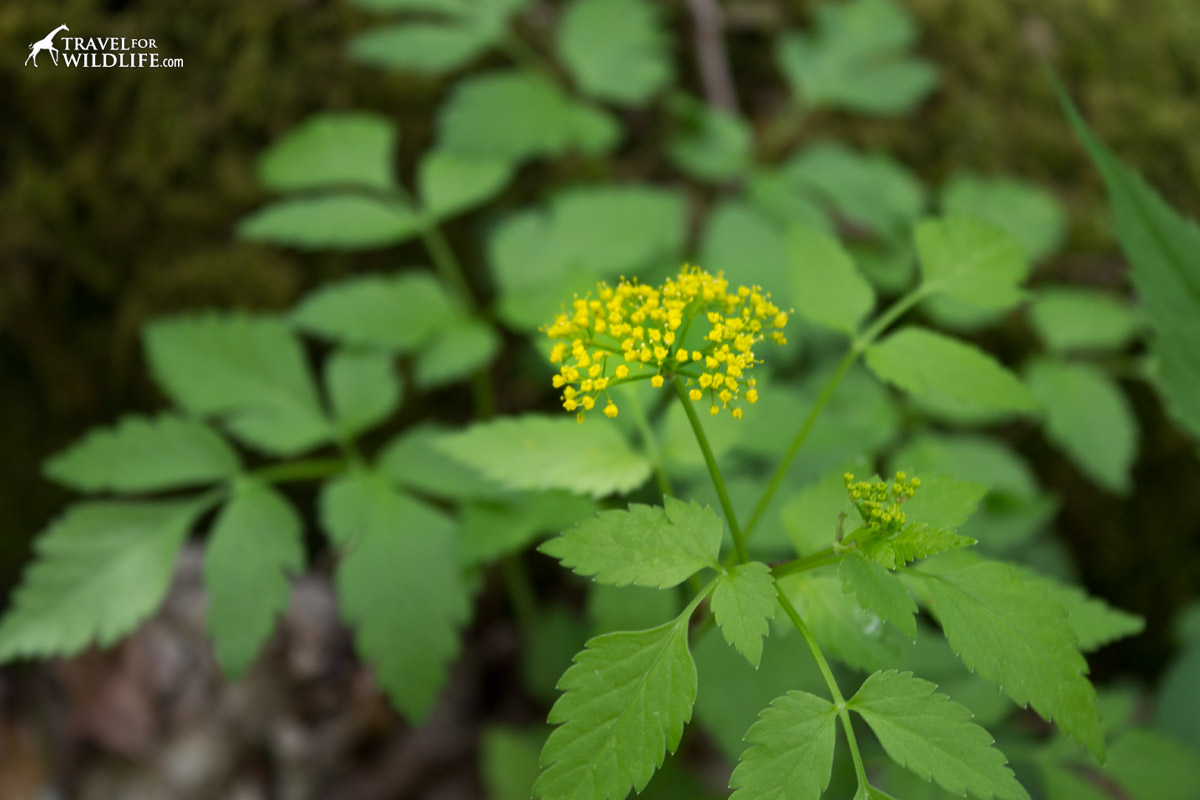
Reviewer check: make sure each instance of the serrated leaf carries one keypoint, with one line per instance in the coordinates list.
(931, 366)
(972, 262)
(846, 630)
(1164, 252)
(332, 150)
(141, 454)
(1089, 418)
(425, 48)
(743, 602)
(944, 502)
(450, 183)
(1076, 318)
(458, 350)
(625, 702)
(1094, 622)
(363, 389)
(856, 60)
(1013, 633)
(1023, 209)
(398, 586)
(646, 545)
(99, 570)
(399, 313)
(251, 370)
(255, 541)
(336, 221)
(931, 735)
(541, 452)
(827, 286)
(615, 50)
(880, 592)
(914, 541)
(791, 750)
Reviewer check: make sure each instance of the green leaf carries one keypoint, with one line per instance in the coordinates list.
(1022, 209)
(142, 454)
(400, 313)
(100, 569)
(255, 541)
(251, 370)
(1088, 417)
(337, 221)
(748, 246)
(450, 183)
(1164, 251)
(944, 502)
(857, 60)
(625, 702)
(494, 529)
(615, 50)
(1012, 632)
(398, 586)
(461, 348)
(514, 115)
(880, 592)
(971, 458)
(811, 515)
(931, 735)
(363, 388)
(332, 150)
(713, 144)
(1070, 318)
(645, 546)
(509, 762)
(425, 48)
(914, 541)
(555, 637)
(971, 262)
(540, 452)
(791, 750)
(413, 460)
(1094, 622)
(845, 629)
(742, 603)
(826, 285)
(931, 366)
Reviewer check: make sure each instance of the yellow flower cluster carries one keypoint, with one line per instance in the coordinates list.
(642, 331)
(878, 502)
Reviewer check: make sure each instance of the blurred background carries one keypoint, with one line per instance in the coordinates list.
(119, 191)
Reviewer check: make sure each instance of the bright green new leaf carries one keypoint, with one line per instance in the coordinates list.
(1070, 318)
(1088, 416)
(713, 144)
(459, 349)
(541, 452)
(791, 750)
(332, 150)
(255, 541)
(944, 502)
(494, 529)
(251, 370)
(645, 546)
(742, 603)
(337, 221)
(426, 48)
(931, 366)
(1022, 209)
(413, 460)
(826, 285)
(880, 592)
(914, 541)
(143, 454)
(363, 389)
(1164, 251)
(625, 702)
(398, 584)
(972, 262)
(100, 569)
(516, 115)
(857, 60)
(450, 183)
(1012, 632)
(933, 736)
(399, 313)
(615, 50)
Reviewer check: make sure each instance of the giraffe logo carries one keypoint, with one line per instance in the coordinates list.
(46, 43)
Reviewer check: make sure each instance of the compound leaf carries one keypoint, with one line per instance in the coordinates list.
(426, 48)
(141, 454)
(625, 702)
(791, 750)
(615, 49)
(914, 541)
(933, 736)
(336, 221)
(450, 183)
(1025, 210)
(645, 546)
(880, 592)
(332, 150)
(971, 261)
(827, 287)
(743, 602)
(458, 350)
(363, 389)
(1076, 318)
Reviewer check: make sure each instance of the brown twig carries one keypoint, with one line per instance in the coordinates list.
(711, 56)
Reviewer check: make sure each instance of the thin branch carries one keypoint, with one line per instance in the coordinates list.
(711, 56)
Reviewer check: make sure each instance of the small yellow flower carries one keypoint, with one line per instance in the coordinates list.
(695, 394)
(657, 381)
(610, 410)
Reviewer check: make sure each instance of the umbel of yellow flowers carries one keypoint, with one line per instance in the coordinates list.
(632, 331)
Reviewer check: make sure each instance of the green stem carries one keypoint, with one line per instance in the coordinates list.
(642, 422)
(836, 693)
(893, 313)
(739, 539)
(308, 469)
(818, 559)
